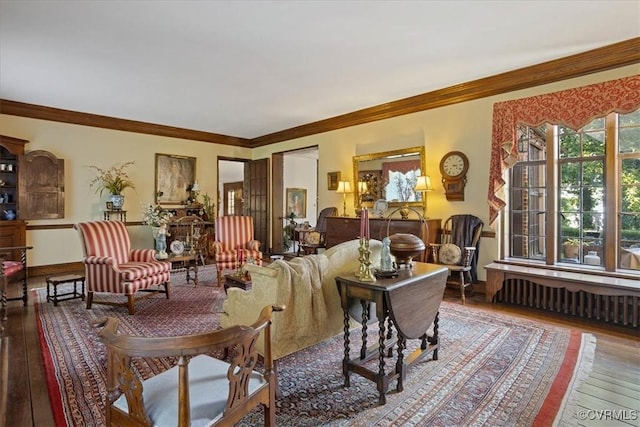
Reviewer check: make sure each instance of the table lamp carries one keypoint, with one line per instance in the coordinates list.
(344, 187)
(423, 184)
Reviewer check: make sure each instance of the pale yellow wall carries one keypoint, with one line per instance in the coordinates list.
(465, 127)
(81, 146)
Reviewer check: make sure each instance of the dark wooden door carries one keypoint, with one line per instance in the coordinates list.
(256, 200)
(233, 198)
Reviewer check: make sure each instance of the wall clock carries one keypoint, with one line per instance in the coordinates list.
(453, 167)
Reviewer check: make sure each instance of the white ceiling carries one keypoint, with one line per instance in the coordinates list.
(250, 68)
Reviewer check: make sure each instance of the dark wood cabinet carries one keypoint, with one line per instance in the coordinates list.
(12, 226)
(342, 229)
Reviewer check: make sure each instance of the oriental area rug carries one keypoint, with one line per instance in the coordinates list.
(493, 369)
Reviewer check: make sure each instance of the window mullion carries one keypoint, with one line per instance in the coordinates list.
(612, 193)
(551, 230)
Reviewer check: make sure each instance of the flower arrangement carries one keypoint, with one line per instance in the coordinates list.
(114, 180)
(155, 216)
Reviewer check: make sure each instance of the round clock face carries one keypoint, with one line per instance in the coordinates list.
(454, 164)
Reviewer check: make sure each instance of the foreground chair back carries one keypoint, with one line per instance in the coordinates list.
(234, 239)
(458, 249)
(112, 266)
(200, 389)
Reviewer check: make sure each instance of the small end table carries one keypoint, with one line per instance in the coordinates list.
(59, 280)
(234, 281)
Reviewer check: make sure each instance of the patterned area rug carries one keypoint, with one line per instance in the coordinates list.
(493, 369)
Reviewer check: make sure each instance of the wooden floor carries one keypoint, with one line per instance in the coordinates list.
(613, 385)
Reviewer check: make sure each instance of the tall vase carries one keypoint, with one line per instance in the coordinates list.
(117, 201)
(160, 237)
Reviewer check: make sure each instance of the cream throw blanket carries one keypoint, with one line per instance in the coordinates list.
(300, 289)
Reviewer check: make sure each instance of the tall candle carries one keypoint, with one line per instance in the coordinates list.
(367, 234)
(362, 226)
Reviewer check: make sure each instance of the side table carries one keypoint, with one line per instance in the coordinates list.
(76, 279)
(235, 281)
(410, 303)
(187, 263)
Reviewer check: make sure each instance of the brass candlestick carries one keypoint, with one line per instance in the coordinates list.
(364, 272)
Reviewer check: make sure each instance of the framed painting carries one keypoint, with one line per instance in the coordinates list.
(174, 177)
(332, 180)
(297, 202)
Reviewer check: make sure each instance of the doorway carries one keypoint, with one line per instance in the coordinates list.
(295, 173)
(230, 187)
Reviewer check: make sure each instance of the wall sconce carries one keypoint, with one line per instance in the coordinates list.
(344, 187)
(423, 185)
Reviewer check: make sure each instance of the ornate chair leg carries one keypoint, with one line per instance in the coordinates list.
(462, 287)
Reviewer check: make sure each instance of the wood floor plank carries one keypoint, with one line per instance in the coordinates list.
(623, 389)
(37, 380)
(632, 387)
(608, 397)
(4, 377)
(19, 396)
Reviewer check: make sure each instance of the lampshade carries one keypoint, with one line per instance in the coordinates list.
(362, 187)
(423, 183)
(344, 187)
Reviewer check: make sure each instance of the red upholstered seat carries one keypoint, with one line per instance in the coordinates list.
(112, 266)
(9, 268)
(12, 271)
(234, 239)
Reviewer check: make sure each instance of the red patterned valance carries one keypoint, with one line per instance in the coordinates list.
(572, 107)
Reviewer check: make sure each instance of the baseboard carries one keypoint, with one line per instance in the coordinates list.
(47, 270)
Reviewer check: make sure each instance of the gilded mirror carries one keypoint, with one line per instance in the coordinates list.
(389, 175)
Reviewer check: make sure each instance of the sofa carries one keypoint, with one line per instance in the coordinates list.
(306, 286)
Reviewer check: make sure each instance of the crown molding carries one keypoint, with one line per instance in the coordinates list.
(33, 111)
(593, 61)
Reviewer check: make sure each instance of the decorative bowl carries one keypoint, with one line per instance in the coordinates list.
(405, 247)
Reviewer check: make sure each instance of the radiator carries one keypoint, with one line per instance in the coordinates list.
(616, 309)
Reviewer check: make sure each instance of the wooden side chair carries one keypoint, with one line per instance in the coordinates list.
(458, 249)
(112, 266)
(193, 233)
(315, 239)
(200, 389)
(13, 269)
(234, 238)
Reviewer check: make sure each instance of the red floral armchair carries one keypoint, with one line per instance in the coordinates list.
(235, 243)
(112, 266)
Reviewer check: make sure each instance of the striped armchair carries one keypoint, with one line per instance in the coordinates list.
(234, 239)
(112, 266)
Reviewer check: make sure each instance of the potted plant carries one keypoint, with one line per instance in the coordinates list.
(209, 207)
(114, 180)
(571, 248)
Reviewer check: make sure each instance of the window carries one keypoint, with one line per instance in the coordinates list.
(583, 187)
